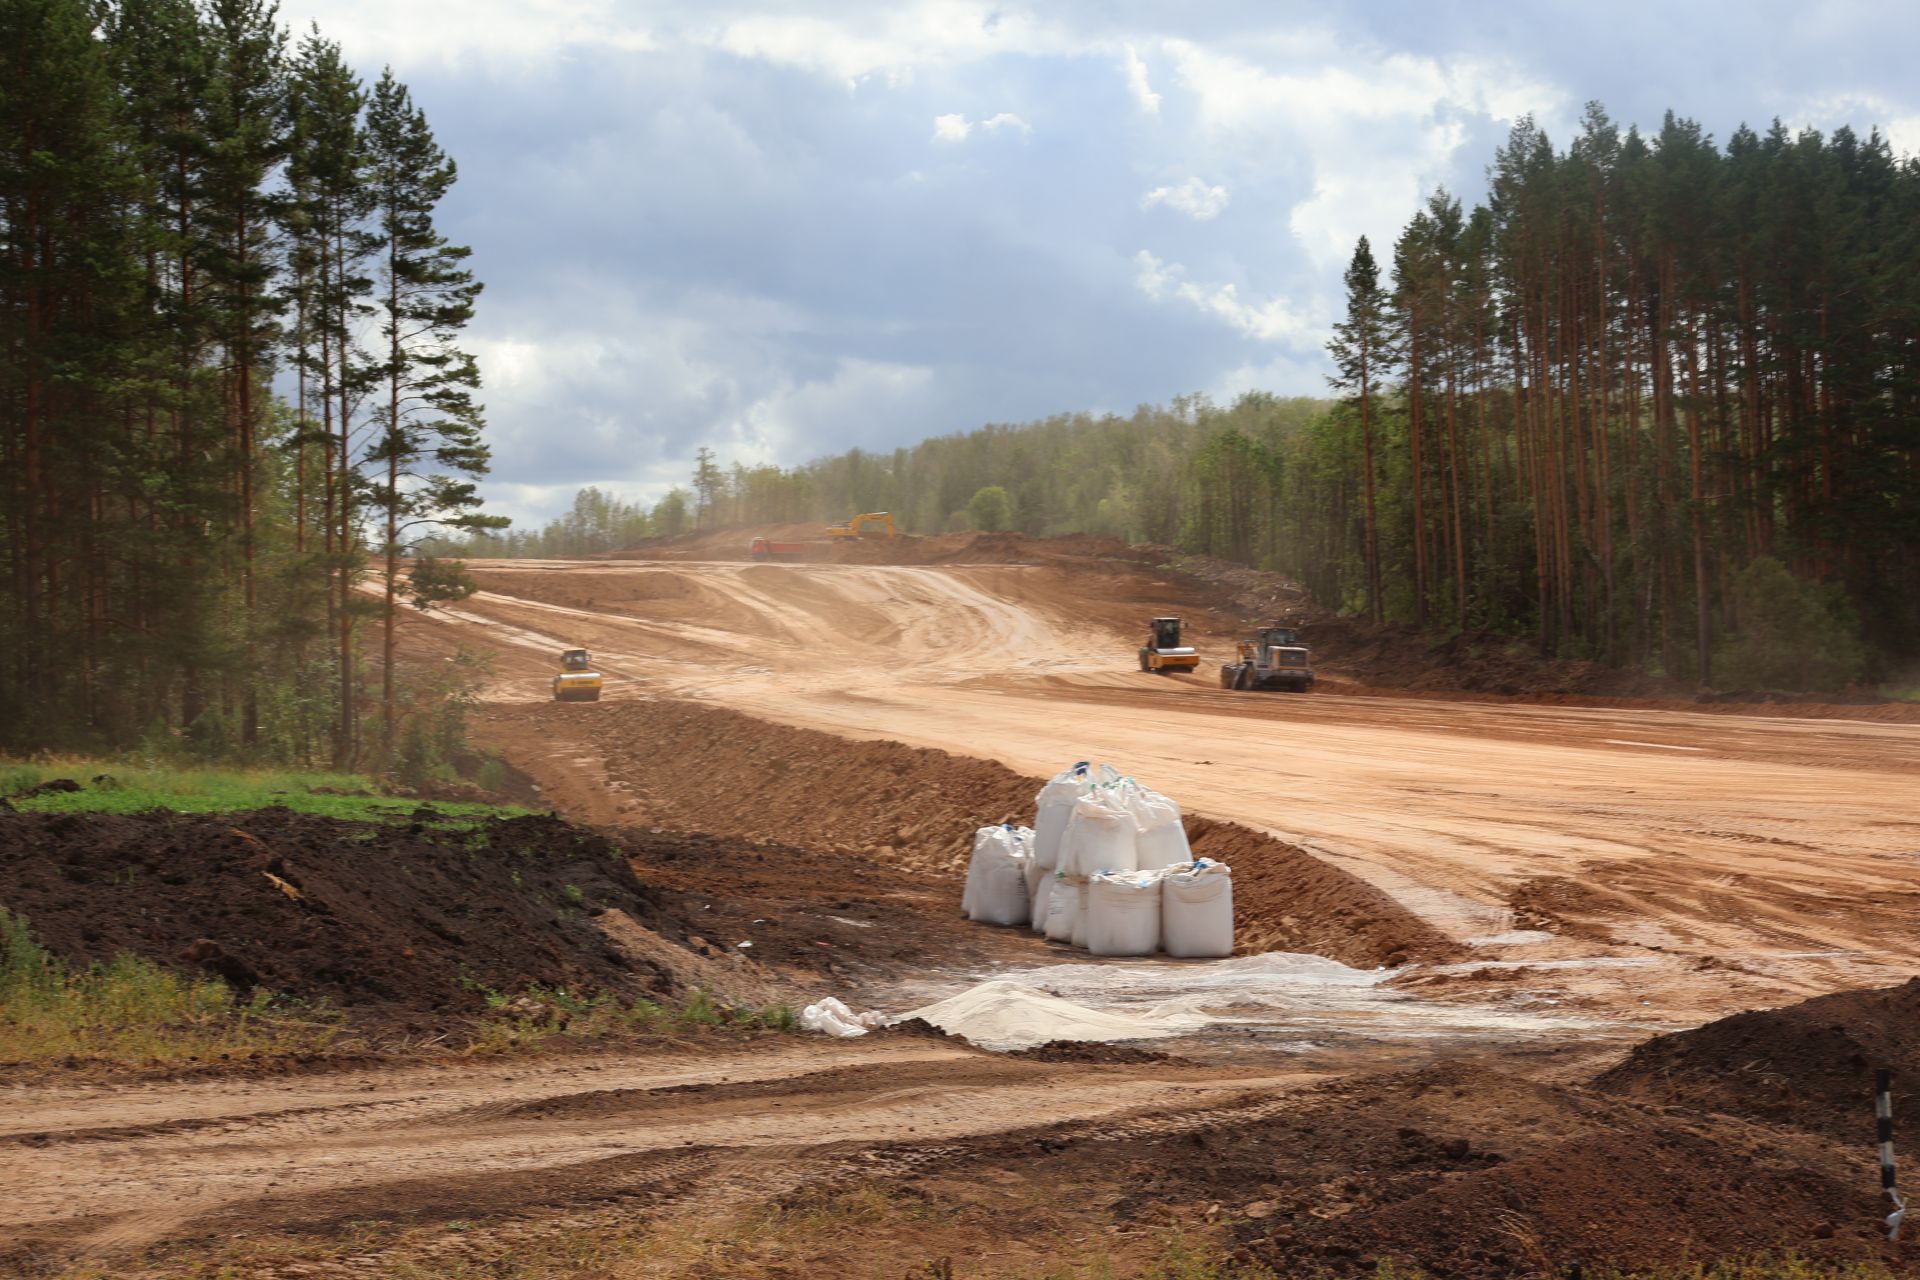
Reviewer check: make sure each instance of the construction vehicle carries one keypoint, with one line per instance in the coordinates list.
(577, 681)
(874, 524)
(1274, 659)
(768, 549)
(1163, 651)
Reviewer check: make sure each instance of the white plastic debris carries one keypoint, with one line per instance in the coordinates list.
(1123, 914)
(835, 1019)
(1196, 909)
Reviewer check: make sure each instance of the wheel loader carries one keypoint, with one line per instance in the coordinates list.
(1274, 659)
(577, 680)
(1163, 653)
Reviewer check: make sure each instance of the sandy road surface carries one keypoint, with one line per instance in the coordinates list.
(94, 1170)
(1787, 848)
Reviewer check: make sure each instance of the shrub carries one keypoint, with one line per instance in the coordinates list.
(1788, 633)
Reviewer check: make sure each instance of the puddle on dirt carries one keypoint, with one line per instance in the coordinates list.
(1284, 1002)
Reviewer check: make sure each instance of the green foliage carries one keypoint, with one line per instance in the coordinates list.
(130, 1010)
(1788, 633)
(989, 509)
(436, 581)
(129, 787)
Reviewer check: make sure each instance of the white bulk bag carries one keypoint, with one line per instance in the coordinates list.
(1063, 905)
(1039, 888)
(1052, 807)
(1123, 914)
(1101, 835)
(1196, 909)
(999, 875)
(1080, 893)
(970, 894)
(1162, 839)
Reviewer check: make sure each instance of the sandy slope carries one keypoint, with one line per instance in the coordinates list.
(1786, 851)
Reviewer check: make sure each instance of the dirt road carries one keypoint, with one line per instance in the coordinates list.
(99, 1170)
(1786, 851)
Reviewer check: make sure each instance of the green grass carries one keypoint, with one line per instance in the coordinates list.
(130, 1010)
(135, 788)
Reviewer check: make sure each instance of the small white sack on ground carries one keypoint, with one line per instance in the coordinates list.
(835, 1019)
(1063, 905)
(1052, 807)
(1196, 910)
(1123, 914)
(1162, 841)
(1008, 1015)
(1080, 894)
(997, 875)
(1101, 835)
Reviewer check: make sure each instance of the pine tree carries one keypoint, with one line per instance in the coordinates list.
(429, 444)
(1361, 352)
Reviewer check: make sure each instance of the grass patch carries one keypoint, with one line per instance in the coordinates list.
(523, 1021)
(110, 787)
(130, 1010)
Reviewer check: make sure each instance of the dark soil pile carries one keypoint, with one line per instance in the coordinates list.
(1461, 1170)
(1809, 1065)
(405, 918)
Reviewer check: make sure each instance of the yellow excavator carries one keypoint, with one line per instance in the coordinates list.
(577, 681)
(874, 524)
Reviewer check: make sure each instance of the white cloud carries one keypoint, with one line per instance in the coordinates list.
(1271, 321)
(1863, 111)
(1193, 197)
(890, 40)
(957, 128)
(495, 31)
(951, 128)
(1137, 85)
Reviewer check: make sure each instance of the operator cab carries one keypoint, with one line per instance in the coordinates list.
(575, 660)
(1166, 633)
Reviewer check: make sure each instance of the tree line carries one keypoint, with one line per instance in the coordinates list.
(1655, 402)
(193, 205)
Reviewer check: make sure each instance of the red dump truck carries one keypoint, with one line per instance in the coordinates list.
(768, 549)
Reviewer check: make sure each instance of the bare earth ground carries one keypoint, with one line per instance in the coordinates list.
(1550, 884)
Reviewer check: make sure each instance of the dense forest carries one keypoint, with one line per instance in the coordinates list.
(195, 209)
(1651, 398)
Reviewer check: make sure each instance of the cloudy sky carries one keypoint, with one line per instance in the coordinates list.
(782, 230)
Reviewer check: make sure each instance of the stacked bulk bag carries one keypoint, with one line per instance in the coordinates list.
(1162, 839)
(996, 890)
(1053, 807)
(1063, 909)
(1196, 909)
(1101, 835)
(1123, 913)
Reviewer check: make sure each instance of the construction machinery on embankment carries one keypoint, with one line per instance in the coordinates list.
(872, 524)
(577, 681)
(1274, 659)
(1163, 653)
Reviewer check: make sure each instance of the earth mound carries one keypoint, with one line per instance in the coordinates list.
(419, 916)
(1809, 1065)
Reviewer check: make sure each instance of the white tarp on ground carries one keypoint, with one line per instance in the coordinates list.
(1008, 1015)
